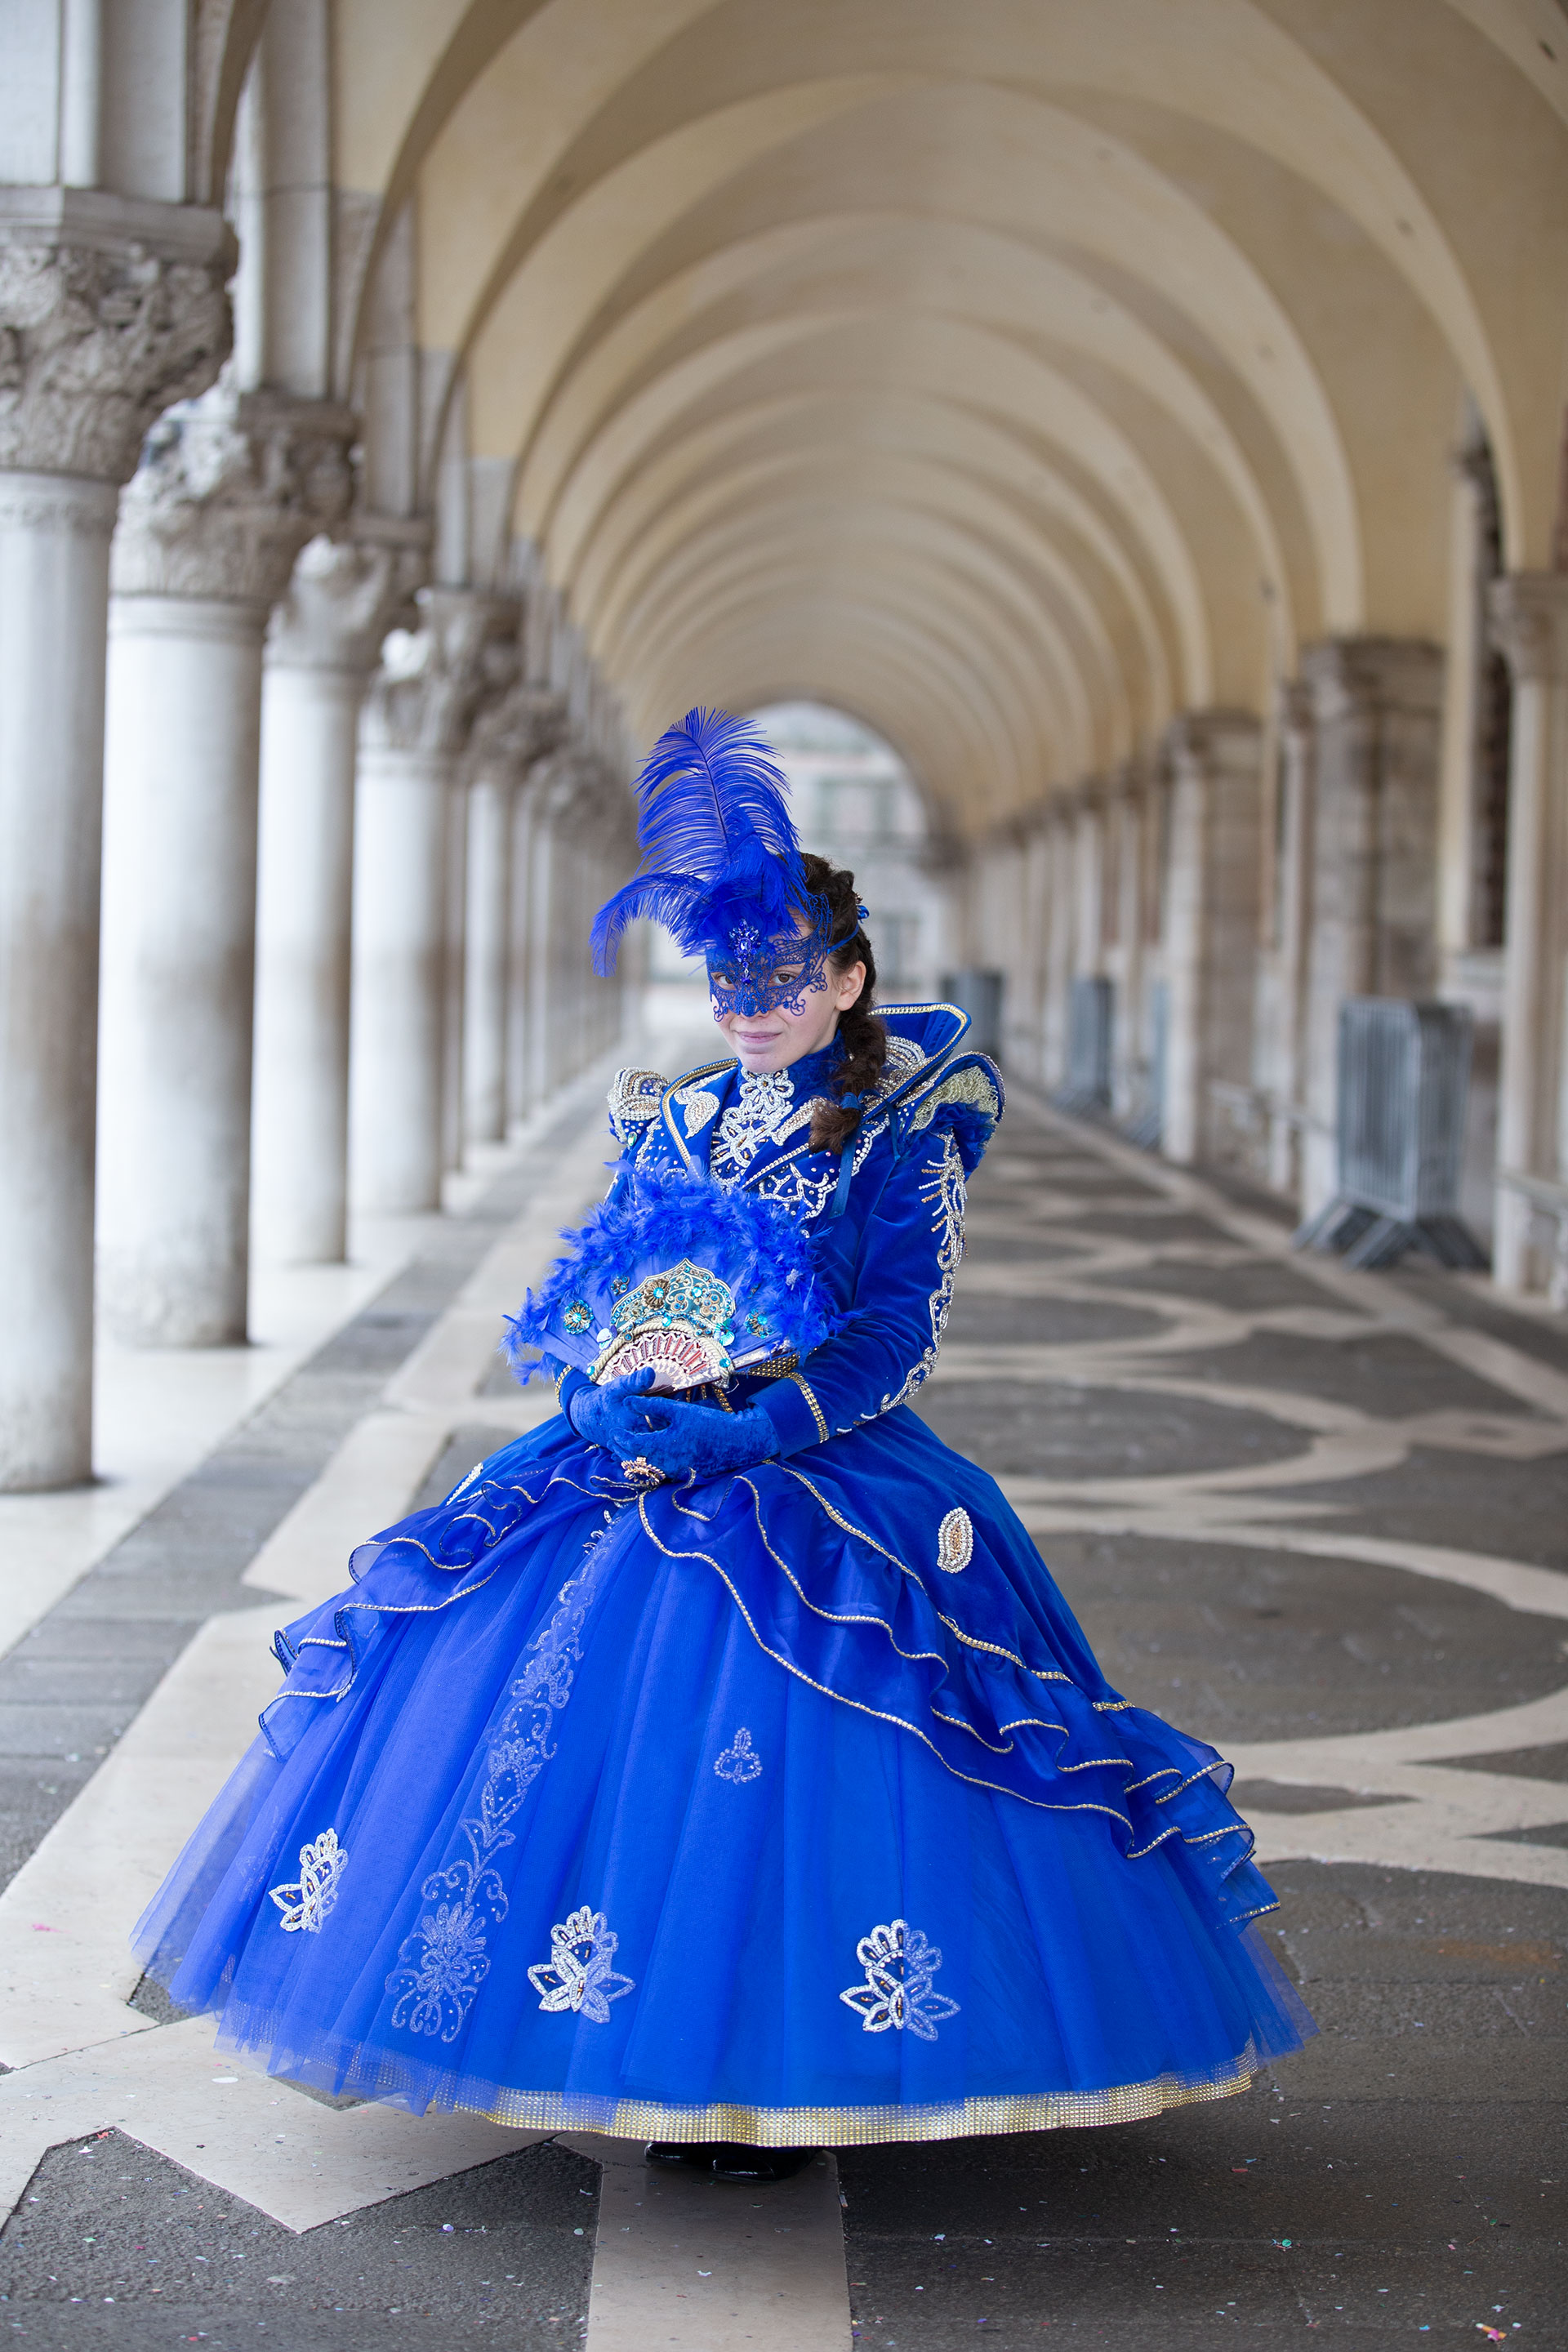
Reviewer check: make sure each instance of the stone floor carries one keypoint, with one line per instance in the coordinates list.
(1317, 1517)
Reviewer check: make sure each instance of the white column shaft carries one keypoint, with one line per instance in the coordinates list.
(304, 898)
(399, 968)
(519, 980)
(1531, 612)
(485, 1012)
(54, 591)
(179, 953)
(454, 981)
(543, 870)
(1211, 937)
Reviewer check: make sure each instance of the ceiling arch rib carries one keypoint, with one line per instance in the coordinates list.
(1132, 215)
(1021, 570)
(1402, 115)
(985, 375)
(1078, 359)
(651, 507)
(936, 604)
(1029, 681)
(994, 759)
(945, 268)
(868, 660)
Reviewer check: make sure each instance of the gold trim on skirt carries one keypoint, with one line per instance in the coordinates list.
(642, 2119)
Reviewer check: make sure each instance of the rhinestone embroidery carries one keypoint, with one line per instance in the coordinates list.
(758, 1116)
(900, 1965)
(305, 1905)
(578, 1975)
(444, 1962)
(740, 1760)
(955, 1541)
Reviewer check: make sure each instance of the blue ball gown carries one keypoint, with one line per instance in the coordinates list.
(788, 1806)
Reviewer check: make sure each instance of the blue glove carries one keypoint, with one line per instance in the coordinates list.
(704, 1441)
(612, 1416)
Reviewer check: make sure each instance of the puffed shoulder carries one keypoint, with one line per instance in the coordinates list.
(931, 1081)
(963, 1093)
(635, 1098)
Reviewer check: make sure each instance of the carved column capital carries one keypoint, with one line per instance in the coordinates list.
(1352, 677)
(229, 490)
(109, 311)
(433, 680)
(1212, 739)
(344, 594)
(516, 730)
(1529, 615)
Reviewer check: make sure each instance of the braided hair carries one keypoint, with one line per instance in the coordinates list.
(861, 1035)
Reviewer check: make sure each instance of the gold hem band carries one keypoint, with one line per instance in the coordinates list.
(644, 2119)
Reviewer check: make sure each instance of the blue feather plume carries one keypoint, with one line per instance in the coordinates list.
(717, 839)
(650, 1219)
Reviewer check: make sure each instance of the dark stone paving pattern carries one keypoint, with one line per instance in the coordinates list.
(115, 2247)
(1475, 1502)
(1058, 1429)
(1157, 1223)
(69, 1688)
(987, 1319)
(1386, 1375)
(1240, 1644)
(1251, 1289)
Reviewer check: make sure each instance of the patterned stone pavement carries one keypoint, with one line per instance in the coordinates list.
(1315, 1516)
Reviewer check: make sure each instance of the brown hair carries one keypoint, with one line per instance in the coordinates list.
(862, 1036)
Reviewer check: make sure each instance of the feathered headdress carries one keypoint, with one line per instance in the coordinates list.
(720, 858)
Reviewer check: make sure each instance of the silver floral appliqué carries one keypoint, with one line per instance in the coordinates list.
(305, 1905)
(443, 1963)
(900, 1965)
(740, 1760)
(955, 1541)
(578, 1974)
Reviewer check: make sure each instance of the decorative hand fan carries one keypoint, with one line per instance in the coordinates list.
(671, 1272)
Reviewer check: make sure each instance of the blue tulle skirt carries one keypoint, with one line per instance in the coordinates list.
(789, 1808)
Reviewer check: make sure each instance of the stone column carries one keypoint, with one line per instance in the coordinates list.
(1530, 621)
(505, 742)
(523, 834)
(229, 490)
(1211, 935)
(547, 871)
(1376, 705)
(455, 983)
(110, 309)
(321, 648)
(415, 722)
(1285, 1012)
(1059, 942)
(1123, 955)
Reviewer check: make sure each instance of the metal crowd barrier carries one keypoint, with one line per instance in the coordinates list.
(1404, 1076)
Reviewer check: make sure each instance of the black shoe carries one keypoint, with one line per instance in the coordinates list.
(728, 2160)
(693, 2155)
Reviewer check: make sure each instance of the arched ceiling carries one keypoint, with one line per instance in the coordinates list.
(1013, 375)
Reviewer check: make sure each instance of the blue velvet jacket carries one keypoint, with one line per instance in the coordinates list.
(885, 1217)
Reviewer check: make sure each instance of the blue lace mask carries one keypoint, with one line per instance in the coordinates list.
(765, 971)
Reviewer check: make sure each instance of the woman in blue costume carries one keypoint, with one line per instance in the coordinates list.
(727, 1771)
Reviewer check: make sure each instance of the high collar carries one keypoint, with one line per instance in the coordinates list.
(810, 1075)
